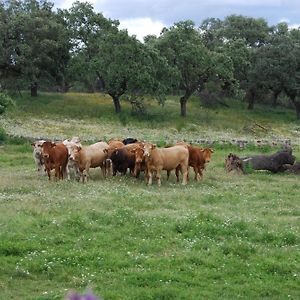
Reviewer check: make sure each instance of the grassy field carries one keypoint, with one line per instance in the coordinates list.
(225, 237)
(92, 117)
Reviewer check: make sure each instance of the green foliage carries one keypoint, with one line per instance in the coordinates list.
(3, 135)
(5, 101)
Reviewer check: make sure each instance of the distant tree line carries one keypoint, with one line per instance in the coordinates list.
(61, 49)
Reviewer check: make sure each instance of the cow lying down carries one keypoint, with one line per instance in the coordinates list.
(274, 163)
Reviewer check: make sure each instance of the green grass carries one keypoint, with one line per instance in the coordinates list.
(225, 237)
(92, 116)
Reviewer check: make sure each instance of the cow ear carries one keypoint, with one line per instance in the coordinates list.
(211, 150)
(153, 146)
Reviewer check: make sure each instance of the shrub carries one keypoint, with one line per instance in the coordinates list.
(3, 135)
(5, 101)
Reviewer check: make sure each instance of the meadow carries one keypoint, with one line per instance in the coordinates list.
(228, 236)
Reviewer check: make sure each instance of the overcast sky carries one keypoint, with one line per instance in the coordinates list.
(142, 17)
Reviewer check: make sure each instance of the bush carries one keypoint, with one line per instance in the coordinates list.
(3, 135)
(5, 101)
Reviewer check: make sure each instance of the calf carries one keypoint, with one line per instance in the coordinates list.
(38, 156)
(55, 157)
(92, 156)
(166, 159)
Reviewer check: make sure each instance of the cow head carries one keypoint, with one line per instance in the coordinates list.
(47, 149)
(37, 147)
(207, 153)
(148, 149)
(74, 152)
(139, 154)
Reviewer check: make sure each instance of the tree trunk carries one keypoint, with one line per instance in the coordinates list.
(296, 103)
(275, 97)
(183, 101)
(117, 104)
(33, 89)
(297, 106)
(250, 99)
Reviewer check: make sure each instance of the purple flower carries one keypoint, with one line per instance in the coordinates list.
(75, 296)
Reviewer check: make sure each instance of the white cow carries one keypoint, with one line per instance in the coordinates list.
(38, 157)
(72, 165)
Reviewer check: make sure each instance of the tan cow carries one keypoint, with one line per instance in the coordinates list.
(158, 159)
(87, 157)
(55, 157)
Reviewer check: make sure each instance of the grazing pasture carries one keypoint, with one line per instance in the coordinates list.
(227, 236)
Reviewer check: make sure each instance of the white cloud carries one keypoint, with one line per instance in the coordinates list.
(65, 4)
(142, 27)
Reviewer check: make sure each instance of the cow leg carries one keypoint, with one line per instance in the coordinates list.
(196, 172)
(49, 173)
(199, 173)
(103, 169)
(168, 174)
(177, 173)
(150, 176)
(158, 176)
(57, 172)
(68, 171)
(184, 171)
(114, 171)
(86, 172)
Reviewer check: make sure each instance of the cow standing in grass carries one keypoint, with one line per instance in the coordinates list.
(124, 158)
(38, 156)
(198, 157)
(71, 163)
(92, 156)
(158, 159)
(55, 157)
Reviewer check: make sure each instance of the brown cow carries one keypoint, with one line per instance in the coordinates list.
(55, 157)
(140, 161)
(198, 157)
(166, 159)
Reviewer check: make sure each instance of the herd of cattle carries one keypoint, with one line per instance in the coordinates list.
(118, 155)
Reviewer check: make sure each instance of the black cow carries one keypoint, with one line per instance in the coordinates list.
(129, 141)
(122, 159)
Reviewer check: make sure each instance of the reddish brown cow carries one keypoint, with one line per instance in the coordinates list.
(198, 157)
(140, 163)
(55, 157)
